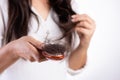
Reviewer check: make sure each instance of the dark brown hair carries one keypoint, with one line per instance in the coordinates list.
(19, 12)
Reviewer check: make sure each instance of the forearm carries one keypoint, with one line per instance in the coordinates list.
(78, 58)
(6, 58)
(85, 28)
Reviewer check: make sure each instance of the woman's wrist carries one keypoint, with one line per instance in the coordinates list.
(7, 58)
(78, 57)
(83, 45)
(10, 51)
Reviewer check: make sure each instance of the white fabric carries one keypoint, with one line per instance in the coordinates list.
(48, 70)
(1, 28)
(1, 35)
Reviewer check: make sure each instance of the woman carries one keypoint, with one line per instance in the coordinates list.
(24, 26)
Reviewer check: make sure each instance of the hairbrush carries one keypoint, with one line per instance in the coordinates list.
(54, 51)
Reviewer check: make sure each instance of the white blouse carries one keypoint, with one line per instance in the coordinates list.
(47, 70)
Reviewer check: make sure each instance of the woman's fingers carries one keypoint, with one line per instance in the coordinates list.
(84, 21)
(82, 17)
(33, 41)
(29, 49)
(36, 53)
(84, 25)
(84, 31)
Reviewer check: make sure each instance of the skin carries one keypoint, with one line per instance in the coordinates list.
(85, 29)
(27, 47)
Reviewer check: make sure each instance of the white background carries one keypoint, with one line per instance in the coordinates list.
(104, 51)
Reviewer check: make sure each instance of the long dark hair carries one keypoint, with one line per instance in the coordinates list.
(19, 13)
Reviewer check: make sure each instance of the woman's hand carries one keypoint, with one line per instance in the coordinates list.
(26, 48)
(85, 28)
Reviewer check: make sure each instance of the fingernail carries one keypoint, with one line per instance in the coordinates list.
(73, 16)
(41, 46)
(73, 20)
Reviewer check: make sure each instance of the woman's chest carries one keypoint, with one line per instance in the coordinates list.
(45, 29)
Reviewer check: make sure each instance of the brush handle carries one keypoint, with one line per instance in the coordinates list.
(52, 57)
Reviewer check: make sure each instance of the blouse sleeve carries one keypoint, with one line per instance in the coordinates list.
(3, 19)
(1, 27)
(75, 39)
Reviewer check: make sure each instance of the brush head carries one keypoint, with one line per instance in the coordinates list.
(54, 51)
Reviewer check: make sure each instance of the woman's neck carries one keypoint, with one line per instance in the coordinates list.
(41, 3)
(42, 7)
